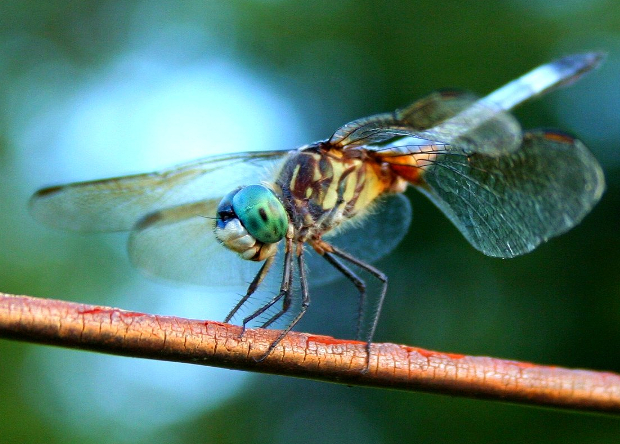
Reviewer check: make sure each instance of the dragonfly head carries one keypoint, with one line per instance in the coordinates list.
(251, 220)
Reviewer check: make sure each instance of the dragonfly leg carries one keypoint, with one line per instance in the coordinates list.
(253, 286)
(305, 302)
(384, 284)
(359, 284)
(286, 304)
(285, 286)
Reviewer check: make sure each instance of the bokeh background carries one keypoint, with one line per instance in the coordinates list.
(96, 89)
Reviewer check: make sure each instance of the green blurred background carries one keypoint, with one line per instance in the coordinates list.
(97, 89)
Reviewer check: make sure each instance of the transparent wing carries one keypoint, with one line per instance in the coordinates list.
(117, 204)
(483, 126)
(466, 124)
(409, 121)
(487, 128)
(506, 206)
(369, 239)
(370, 130)
(178, 243)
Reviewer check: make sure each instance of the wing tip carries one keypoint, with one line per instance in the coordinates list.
(585, 61)
(149, 220)
(39, 197)
(596, 183)
(575, 66)
(44, 192)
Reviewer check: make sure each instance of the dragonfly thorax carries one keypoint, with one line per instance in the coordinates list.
(251, 221)
(325, 187)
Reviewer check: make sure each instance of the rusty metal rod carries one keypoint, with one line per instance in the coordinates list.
(120, 332)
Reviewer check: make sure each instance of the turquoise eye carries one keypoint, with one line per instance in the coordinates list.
(261, 213)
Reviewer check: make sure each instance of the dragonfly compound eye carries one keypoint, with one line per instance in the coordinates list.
(225, 210)
(261, 213)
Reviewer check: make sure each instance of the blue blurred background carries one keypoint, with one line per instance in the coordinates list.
(97, 89)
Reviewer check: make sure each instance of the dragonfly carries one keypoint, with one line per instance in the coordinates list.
(506, 190)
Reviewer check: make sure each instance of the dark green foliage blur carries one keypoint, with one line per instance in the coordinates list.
(334, 61)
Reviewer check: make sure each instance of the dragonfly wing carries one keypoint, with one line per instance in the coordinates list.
(447, 117)
(506, 206)
(544, 79)
(460, 122)
(369, 130)
(435, 108)
(486, 127)
(450, 118)
(405, 122)
(178, 243)
(482, 126)
(117, 204)
(370, 238)
(457, 120)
